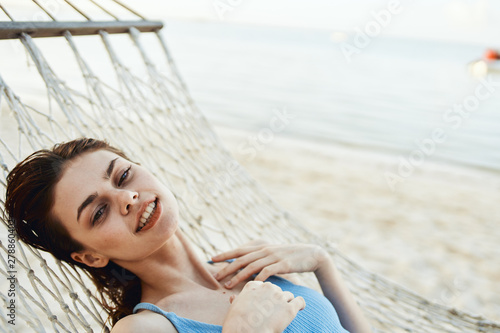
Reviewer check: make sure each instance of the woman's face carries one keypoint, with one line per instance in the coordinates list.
(116, 209)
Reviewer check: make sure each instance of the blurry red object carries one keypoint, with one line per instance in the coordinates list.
(491, 54)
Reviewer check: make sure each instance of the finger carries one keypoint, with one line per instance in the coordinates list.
(269, 270)
(236, 253)
(288, 296)
(251, 269)
(252, 285)
(238, 264)
(298, 304)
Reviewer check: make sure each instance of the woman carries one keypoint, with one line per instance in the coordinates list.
(89, 205)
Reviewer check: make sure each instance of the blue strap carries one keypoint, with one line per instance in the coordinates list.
(149, 306)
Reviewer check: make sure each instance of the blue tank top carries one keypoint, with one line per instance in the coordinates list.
(319, 316)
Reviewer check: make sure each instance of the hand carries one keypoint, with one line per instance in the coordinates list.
(266, 260)
(262, 308)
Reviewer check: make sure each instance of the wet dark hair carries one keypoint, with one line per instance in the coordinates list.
(28, 205)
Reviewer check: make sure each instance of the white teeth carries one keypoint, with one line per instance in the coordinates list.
(146, 215)
(148, 210)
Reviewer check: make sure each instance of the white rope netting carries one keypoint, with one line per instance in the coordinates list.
(142, 106)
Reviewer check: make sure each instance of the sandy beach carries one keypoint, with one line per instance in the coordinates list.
(435, 234)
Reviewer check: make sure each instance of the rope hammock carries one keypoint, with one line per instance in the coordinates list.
(118, 82)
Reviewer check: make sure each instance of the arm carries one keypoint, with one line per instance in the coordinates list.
(335, 289)
(267, 260)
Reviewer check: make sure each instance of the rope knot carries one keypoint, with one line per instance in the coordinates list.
(43, 263)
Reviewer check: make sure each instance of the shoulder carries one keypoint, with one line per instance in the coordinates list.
(144, 321)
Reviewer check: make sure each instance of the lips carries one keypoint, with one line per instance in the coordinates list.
(149, 216)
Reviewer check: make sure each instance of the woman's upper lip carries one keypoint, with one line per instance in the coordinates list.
(144, 205)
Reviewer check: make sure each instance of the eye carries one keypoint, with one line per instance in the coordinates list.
(99, 214)
(124, 176)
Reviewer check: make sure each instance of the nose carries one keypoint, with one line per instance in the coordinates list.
(126, 199)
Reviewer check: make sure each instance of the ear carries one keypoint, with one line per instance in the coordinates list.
(90, 259)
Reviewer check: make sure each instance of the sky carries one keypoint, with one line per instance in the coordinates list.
(473, 21)
(469, 21)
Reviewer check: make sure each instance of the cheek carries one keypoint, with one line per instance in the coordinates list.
(172, 213)
(111, 235)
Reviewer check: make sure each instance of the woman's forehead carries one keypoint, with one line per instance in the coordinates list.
(96, 158)
(86, 168)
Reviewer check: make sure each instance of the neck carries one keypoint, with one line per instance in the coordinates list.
(173, 268)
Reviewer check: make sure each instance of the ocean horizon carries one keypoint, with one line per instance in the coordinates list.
(392, 96)
(410, 98)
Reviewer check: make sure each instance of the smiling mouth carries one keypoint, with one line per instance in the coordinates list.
(147, 215)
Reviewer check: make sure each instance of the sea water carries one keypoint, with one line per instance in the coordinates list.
(391, 95)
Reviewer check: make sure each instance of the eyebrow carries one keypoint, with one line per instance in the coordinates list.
(110, 168)
(93, 196)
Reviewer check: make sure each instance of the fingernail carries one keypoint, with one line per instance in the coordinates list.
(216, 276)
(228, 284)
